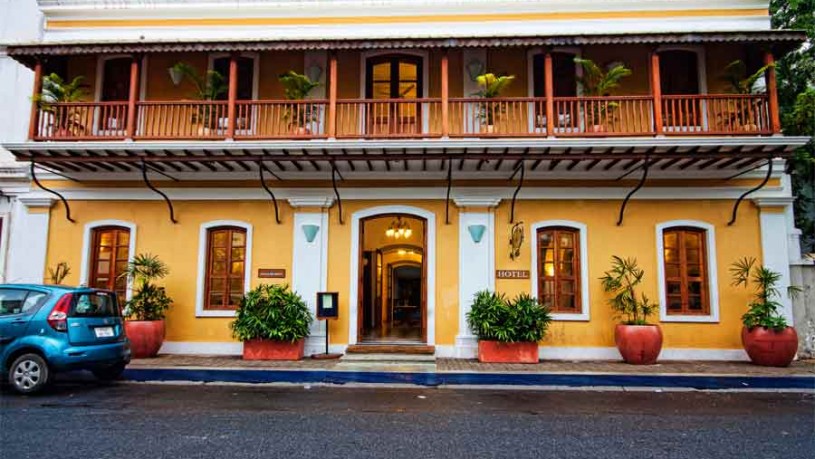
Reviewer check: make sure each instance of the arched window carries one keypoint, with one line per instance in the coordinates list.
(110, 252)
(225, 267)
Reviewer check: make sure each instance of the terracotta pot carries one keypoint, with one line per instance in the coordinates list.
(768, 347)
(498, 352)
(146, 337)
(301, 130)
(639, 344)
(598, 128)
(267, 349)
(487, 128)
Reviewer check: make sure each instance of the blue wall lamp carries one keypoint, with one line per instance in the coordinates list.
(310, 231)
(476, 232)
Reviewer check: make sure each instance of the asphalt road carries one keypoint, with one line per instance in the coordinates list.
(90, 420)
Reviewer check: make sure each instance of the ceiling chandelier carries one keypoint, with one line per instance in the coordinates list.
(399, 229)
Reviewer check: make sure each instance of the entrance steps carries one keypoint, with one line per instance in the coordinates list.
(387, 362)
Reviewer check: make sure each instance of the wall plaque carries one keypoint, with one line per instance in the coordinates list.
(512, 274)
(271, 273)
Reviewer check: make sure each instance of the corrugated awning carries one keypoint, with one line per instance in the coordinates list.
(781, 41)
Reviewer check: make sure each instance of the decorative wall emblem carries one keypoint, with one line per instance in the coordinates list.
(516, 240)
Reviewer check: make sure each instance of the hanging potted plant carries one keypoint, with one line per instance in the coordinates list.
(145, 310)
(744, 115)
(63, 121)
(300, 116)
(490, 87)
(208, 87)
(597, 82)
(766, 337)
(638, 341)
(273, 322)
(507, 331)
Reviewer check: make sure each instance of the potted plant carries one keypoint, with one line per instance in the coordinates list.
(735, 75)
(766, 337)
(490, 87)
(638, 341)
(595, 82)
(63, 121)
(272, 321)
(145, 310)
(208, 87)
(58, 273)
(297, 86)
(508, 331)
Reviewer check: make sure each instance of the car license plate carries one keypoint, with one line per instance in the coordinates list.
(103, 332)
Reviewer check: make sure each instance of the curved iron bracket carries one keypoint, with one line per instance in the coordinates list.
(150, 185)
(334, 173)
(521, 168)
(751, 191)
(449, 187)
(261, 168)
(645, 167)
(48, 190)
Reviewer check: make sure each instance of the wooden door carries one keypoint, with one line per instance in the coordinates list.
(390, 79)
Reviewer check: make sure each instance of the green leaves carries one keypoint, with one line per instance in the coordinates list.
(55, 90)
(491, 85)
(297, 86)
(763, 310)
(272, 311)
(621, 281)
(735, 74)
(149, 302)
(596, 82)
(208, 87)
(493, 317)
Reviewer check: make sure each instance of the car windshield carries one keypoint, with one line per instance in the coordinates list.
(96, 304)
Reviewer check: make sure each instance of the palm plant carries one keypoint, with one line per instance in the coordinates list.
(735, 75)
(595, 82)
(621, 281)
(763, 310)
(55, 90)
(490, 86)
(297, 86)
(150, 301)
(209, 86)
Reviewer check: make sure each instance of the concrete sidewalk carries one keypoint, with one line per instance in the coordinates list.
(454, 372)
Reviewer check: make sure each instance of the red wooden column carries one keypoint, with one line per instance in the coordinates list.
(132, 96)
(549, 93)
(232, 95)
(332, 95)
(445, 95)
(34, 120)
(772, 93)
(656, 92)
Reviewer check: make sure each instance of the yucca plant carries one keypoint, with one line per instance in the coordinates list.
(763, 310)
(621, 281)
(208, 87)
(493, 317)
(55, 90)
(297, 86)
(596, 82)
(149, 302)
(491, 86)
(274, 312)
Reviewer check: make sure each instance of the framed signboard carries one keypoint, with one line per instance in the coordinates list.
(328, 305)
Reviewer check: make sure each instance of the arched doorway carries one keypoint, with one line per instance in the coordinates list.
(392, 276)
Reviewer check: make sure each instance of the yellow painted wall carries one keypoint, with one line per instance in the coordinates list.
(635, 238)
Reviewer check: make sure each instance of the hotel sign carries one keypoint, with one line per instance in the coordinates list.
(271, 273)
(512, 274)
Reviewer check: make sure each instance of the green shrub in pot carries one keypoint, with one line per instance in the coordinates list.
(493, 317)
(272, 312)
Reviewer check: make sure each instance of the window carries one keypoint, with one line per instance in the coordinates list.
(394, 77)
(558, 268)
(95, 304)
(18, 301)
(685, 271)
(110, 253)
(226, 267)
(564, 84)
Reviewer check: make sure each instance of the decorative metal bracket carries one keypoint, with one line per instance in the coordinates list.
(522, 169)
(261, 168)
(645, 167)
(150, 185)
(334, 174)
(751, 191)
(449, 187)
(48, 190)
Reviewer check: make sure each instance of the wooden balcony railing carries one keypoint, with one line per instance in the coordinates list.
(406, 118)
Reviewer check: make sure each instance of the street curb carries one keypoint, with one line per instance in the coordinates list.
(433, 379)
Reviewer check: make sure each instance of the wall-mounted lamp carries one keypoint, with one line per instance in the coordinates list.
(311, 232)
(476, 232)
(176, 74)
(475, 68)
(314, 72)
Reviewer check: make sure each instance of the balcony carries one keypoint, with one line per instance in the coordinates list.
(510, 117)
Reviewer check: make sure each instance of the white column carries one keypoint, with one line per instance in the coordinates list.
(310, 261)
(476, 265)
(28, 240)
(775, 245)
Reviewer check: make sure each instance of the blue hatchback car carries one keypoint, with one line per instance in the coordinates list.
(45, 329)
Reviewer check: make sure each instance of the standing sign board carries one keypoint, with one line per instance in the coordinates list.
(328, 305)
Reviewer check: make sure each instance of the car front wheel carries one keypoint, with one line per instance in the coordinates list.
(29, 373)
(109, 373)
